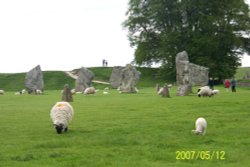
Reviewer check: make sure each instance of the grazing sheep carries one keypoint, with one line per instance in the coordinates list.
(24, 91)
(18, 93)
(200, 126)
(105, 93)
(73, 91)
(2, 92)
(90, 90)
(38, 91)
(215, 91)
(160, 91)
(61, 115)
(204, 91)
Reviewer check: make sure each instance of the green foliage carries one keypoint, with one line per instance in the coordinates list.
(212, 32)
(124, 130)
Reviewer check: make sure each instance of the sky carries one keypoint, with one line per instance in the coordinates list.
(64, 34)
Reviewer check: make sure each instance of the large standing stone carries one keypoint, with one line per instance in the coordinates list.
(182, 74)
(198, 74)
(129, 78)
(116, 76)
(84, 79)
(188, 74)
(34, 80)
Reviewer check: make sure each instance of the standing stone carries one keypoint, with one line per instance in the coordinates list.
(198, 74)
(34, 80)
(67, 95)
(116, 77)
(84, 79)
(129, 78)
(188, 74)
(182, 74)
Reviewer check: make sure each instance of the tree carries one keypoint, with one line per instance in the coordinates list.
(214, 33)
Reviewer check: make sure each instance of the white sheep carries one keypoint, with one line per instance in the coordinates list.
(216, 91)
(61, 115)
(2, 92)
(106, 89)
(200, 126)
(89, 90)
(205, 91)
(18, 93)
(105, 93)
(160, 91)
(73, 91)
(23, 91)
(38, 91)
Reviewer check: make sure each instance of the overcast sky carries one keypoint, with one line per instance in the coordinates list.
(63, 34)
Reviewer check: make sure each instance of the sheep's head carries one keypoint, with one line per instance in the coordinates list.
(59, 128)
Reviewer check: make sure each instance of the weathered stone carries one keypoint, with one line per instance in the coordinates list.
(67, 95)
(116, 76)
(84, 79)
(182, 74)
(188, 74)
(198, 74)
(129, 78)
(34, 80)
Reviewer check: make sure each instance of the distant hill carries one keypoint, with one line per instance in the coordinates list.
(54, 80)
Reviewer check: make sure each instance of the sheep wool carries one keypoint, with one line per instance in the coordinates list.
(200, 126)
(205, 91)
(61, 115)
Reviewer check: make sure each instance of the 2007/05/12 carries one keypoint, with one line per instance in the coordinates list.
(203, 155)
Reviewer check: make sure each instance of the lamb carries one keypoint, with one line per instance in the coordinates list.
(2, 92)
(205, 91)
(61, 115)
(90, 90)
(200, 126)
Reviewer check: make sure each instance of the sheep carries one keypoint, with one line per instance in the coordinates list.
(61, 115)
(200, 126)
(23, 91)
(215, 91)
(205, 91)
(105, 93)
(106, 89)
(73, 91)
(18, 93)
(2, 92)
(90, 90)
(160, 91)
(38, 91)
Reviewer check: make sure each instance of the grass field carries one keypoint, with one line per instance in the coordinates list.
(125, 130)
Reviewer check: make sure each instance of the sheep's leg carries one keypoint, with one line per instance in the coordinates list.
(66, 129)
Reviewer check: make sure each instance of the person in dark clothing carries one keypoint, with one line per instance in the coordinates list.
(233, 85)
(211, 83)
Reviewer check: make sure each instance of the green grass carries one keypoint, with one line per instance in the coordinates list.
(124, 130)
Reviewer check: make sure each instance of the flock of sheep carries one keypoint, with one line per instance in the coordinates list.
(62, 112)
